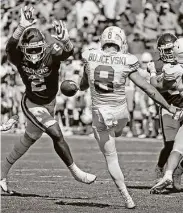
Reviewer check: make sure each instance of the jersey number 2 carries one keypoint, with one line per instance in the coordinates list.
(37, 83)
(103, 79)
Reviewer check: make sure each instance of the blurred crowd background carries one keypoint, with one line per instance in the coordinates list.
(143, 21)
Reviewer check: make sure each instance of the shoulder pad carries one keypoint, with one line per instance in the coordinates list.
(132, 62)
(86, 53)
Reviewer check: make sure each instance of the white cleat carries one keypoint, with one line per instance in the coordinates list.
(84, 177)
(4, 186)
(162, 184)
(129, 203)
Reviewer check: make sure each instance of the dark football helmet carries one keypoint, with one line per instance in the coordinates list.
(32, 43)
(165, 45)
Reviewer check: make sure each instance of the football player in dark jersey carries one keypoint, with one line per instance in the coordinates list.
(170, 127)
(38, 65)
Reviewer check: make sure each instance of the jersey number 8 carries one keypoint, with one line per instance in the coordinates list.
(104, 83)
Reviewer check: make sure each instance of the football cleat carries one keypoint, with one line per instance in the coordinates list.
(68, 88)
(4, 186)
(162, 184)
(84, 177)
(129, 203)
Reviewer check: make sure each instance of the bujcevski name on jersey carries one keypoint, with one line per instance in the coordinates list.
(106, 59)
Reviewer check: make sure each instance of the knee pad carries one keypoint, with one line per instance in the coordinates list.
(23, 145)
(27, 141)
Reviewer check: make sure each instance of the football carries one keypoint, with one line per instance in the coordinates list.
(68, 88)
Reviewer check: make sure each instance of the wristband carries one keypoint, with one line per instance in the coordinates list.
(18, 32)
(68, 45)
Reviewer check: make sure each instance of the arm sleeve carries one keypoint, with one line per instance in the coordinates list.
(58, 52)
(84, 84)
(13, 53)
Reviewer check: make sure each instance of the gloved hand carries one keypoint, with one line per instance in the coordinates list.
(61, 31)
(26, 17)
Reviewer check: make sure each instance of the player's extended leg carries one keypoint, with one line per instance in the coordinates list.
(169, 129)
(63, 151)
(172, 163)
(32, 134)
(106, 141)
(42, 117)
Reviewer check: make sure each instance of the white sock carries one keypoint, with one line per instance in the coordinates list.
(169, 174)
(116, 174)
(75, 170)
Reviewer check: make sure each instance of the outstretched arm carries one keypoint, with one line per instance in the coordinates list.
(64, 48)
(84, 80)
(26, 20)
(151, 91)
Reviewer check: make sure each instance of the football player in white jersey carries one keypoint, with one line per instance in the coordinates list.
(172, 81)
(105, 72)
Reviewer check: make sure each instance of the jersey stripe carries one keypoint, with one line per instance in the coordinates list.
(30, 116)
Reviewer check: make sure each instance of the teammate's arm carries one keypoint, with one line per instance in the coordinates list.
(150, 90)
(26, 20)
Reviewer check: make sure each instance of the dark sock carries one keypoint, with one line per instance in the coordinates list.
(63, 151)
(164, 154)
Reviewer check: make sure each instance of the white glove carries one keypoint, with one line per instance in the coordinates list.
(26, 17)
(151, 67)
(61, 31)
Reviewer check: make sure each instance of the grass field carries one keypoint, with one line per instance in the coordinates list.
(43, 183)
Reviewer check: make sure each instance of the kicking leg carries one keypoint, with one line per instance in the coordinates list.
(63, 151)
(42, 117)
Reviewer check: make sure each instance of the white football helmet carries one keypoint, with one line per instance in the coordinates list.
(178, 50)
(114, 35)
